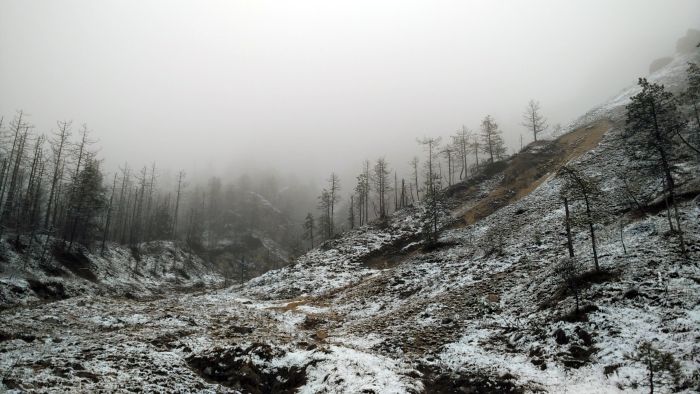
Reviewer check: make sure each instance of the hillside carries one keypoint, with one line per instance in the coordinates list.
(375, 312)
(44, 271)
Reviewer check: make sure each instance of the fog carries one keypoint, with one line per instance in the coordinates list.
(309, 87)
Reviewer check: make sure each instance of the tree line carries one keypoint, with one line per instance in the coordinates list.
(378, 190)
(55, 193)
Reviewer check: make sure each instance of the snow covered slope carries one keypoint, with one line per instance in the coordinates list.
(373, 312)
(43, 272)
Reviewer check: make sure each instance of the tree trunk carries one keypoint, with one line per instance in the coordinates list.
(590, 226)
(667, 173)
(568, 229)
(109, 216)
(622, 239)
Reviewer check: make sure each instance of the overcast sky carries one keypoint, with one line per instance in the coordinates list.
(311, 86)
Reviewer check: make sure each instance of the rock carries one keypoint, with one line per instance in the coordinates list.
(560, 337)
(584, 335)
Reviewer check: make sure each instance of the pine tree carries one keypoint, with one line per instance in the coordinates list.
(86, 201)
(380, 177)
(309, 226)
(578, 186)
(569, 271)
(333, 198)
(351, 212)
(362, 190)
(432, 196)
(653, 123)
(491, 139)
(657, 362)
(691, 97)
(162, 226)
(324, 220)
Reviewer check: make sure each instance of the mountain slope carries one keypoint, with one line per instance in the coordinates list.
(374, 312)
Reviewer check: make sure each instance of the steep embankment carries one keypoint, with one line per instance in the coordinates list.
(44, 271)
(505, 182)
(374, 312)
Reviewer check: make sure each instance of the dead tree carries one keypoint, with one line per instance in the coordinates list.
(431, 146)
(567, 221)
(380, 177)
(448, 150)
(362, 190)
(414, 167)
(109, 215)
(351, 212)
(334, 197)
(58, 144)
(533, 119)
(461, 144)
(180, 185)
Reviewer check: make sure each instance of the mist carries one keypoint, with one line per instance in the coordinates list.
(310, 87)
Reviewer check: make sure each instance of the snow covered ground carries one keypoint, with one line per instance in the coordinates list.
(152, 269)
(372, 312)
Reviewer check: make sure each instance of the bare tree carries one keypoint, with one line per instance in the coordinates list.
(567, 222)
(109, 215)
(21, 134)
(351, 212)
(334, 197)
(380, 177)
(324, 205)
(476, 147)
(533, 119)
(362, 190)
(414, 167)
(58, 144)
(460, 141)
(180, 186)
(448, 150)
(431, 146)
(492, 141)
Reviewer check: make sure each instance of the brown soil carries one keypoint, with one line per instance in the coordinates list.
(525, 171)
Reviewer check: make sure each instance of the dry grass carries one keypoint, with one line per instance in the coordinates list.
(291, 306)
(529, 169)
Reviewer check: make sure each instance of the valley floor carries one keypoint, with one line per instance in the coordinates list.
(435, 323)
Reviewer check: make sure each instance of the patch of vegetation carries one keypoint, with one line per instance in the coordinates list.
(438, 382)
(76, 262)
(48, 290)
(232, 367)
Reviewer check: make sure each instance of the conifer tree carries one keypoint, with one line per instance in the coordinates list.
(491, 139)
(653, 123)
(380, 177)
(309, 226)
